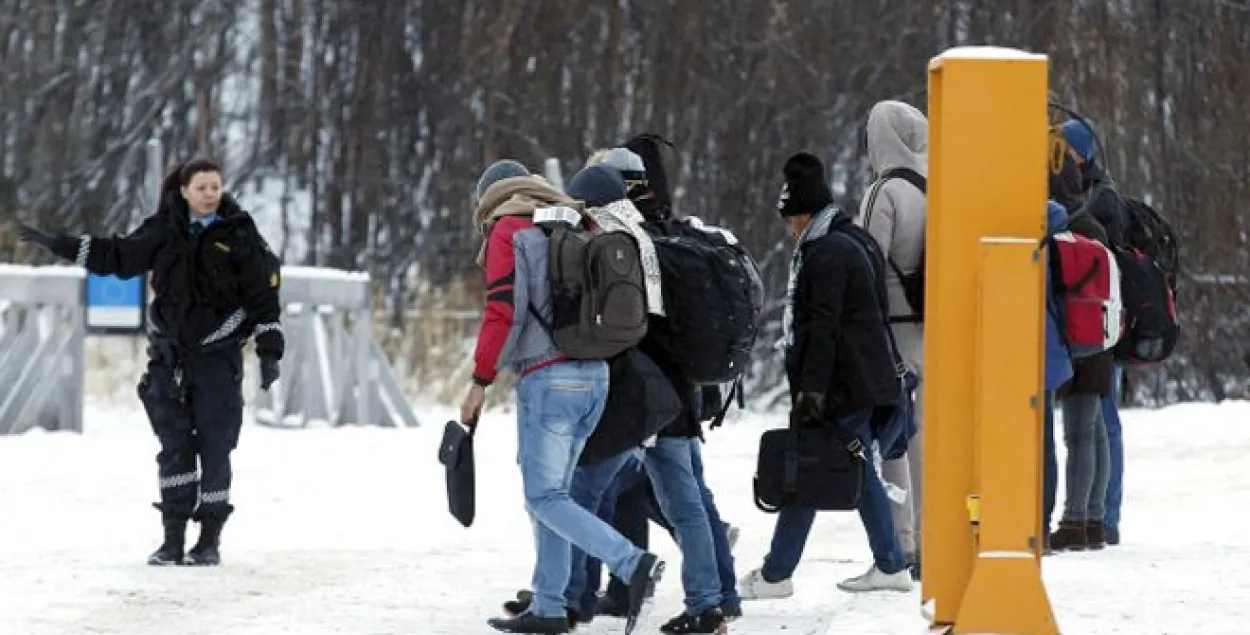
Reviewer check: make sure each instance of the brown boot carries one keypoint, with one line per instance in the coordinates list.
(1096, 535)
(1070, 536)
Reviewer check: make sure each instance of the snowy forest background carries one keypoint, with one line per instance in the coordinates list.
(355, 129)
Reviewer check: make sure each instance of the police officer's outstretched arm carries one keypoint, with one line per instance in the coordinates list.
(123, 256)
(262, 280)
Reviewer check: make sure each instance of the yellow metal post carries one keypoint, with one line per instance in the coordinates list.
(1006, 593)
(987, 152)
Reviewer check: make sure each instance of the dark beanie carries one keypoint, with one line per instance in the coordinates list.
(805, 190)
(597, 186)
(498, 171)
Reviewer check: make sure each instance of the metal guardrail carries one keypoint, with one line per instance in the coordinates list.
(41, 348)
(333, 370)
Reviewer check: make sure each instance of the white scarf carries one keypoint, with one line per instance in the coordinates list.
(623, 216)
(815, 230)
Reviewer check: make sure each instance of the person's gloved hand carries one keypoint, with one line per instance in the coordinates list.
(28, 234)
(809, 409)
(63, 246)
(269, 372)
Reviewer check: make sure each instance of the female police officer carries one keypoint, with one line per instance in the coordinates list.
(214, 283)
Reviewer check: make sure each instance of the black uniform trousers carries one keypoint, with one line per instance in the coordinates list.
(195, 405)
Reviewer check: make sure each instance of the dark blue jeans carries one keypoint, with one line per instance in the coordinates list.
(628, 504)
(720, 537)
(1115, 441)
(591, 485)
(795, 523)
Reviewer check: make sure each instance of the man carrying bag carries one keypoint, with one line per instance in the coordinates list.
(841, 370)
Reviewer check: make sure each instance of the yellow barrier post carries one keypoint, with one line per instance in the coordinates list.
(1006, 593)
(987, 149)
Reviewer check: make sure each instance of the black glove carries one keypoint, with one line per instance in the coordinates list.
(269, 372)
(28, 234)
(61, 245)
(808, 410)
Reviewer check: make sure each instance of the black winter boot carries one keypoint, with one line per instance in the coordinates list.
(205, 552)
(170, 551)
(1070, 536)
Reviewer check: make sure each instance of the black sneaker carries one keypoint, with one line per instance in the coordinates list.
(709, 621)
(530, 623)
(732, 610)
(642, 587)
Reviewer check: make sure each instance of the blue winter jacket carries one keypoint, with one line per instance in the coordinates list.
(1058, 361)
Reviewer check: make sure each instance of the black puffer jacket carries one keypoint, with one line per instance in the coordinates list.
(209, 290)
(841, 347)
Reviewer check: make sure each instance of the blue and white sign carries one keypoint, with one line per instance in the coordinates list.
(115, 305)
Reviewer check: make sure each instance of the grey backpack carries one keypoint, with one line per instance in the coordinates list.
(598, 297)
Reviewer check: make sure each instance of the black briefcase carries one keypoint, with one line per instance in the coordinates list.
(456, 454)
(809, 467)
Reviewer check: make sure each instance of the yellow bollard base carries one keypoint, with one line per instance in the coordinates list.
(1006, 596)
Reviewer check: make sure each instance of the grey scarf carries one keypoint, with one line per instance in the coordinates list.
(815, 230)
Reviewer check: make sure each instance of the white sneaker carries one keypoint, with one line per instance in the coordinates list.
(875, 580)
(753, 587)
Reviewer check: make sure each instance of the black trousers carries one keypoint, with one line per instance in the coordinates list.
(195, 406)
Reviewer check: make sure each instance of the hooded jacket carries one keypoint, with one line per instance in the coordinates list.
(898, 137)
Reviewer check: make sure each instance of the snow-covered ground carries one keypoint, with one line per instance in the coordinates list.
(346, 531)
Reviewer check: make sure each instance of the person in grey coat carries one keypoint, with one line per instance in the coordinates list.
(894, 212)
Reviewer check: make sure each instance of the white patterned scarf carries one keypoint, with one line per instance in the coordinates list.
(623, 216)
(815, 230)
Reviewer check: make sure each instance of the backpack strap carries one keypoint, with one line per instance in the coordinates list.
(737, 390)
(879, 293)
(920, 183)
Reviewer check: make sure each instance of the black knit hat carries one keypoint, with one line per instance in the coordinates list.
(805, 190)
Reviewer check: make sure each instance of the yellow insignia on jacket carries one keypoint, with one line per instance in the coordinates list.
(222, 246)
(274, 280)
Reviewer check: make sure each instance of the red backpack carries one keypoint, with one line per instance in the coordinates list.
(1085, 283)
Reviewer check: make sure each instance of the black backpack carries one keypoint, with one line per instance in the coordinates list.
(1149, 262)
(598, 296)
(913, 283)
(712, 301)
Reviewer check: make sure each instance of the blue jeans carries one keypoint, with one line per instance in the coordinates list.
(1115, 443)
(558, 408)
(592, 485)
(1050, 464)
(1088, 462)
(720, 538)
(795, 523)
(671, 468)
